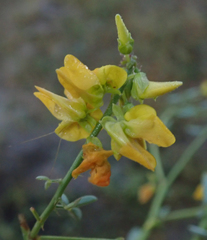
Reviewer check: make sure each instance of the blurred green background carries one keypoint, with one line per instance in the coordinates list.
(170, 42)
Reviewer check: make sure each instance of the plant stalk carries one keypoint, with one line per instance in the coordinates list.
(163, 187)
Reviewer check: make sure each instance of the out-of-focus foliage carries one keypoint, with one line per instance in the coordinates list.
(170, 41)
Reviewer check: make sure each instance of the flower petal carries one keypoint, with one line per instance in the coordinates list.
(97, 114)
(134, 151)
(198, 193)
(79, 73)
(156, 89)
(60, 107)
(71, 131)
(142, 122)
(111, 75)
(77, 79)
(128, 147)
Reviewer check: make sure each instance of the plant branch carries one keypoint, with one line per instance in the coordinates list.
(187, 155)
(75, 238)
(185, 213)
(163, 186)
(154, 149)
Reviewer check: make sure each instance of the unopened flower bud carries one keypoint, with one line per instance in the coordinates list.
(142, 88)
(125, 41)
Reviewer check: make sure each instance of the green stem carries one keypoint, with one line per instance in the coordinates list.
(24, 227)
(187, 155)
(74, 238)
(51, 206)
(202, 224)
(164, 185)
(155, 151)
(35, 214)
(152, 219)
(185, 213)
(64, 183)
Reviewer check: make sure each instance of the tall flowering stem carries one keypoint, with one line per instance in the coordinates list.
(68, 177)
(129, 128)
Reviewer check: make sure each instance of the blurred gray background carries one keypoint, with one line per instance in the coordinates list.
(170, 42)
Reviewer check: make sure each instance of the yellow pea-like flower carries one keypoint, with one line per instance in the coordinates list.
(142, 122)
(123, 145)
(60, 107)
(78, 119)
(142, 88)
(146, 192)
(111, 76)
(198, 193)
(156, 89)
(129, 133)
(77, 79)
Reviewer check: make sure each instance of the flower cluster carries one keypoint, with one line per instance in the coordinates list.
(129, 134)
(84, 89)
(79, 111)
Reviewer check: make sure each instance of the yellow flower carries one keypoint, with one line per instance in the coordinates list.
(142, 88)
(146, 192)
(128, 136)
(156, 89)
(142, 122)
(95, 158)
(111, 76)
(198, 193)
(62, 108)
(77, 120)
(123, 145)
(77, 79)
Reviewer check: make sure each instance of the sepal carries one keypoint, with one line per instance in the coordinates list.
(139, 85)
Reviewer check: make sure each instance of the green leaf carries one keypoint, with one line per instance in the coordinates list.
(85, 200)
(117, 111)
(197, 230)
(76, 213)
(58, 180)
(44, 178)
(134, 233)
(128, 87)
(82, 201)
(64, 199)
(107, 119)
(47, 184)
